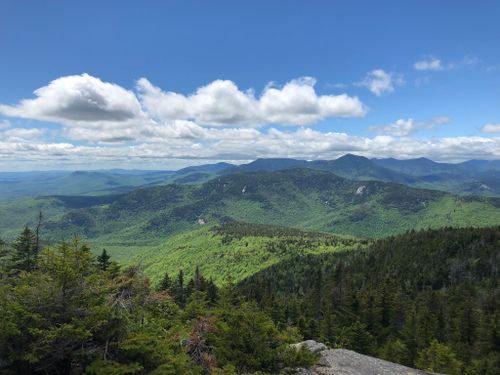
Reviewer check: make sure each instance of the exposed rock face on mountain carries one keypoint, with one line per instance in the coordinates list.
(347, 362)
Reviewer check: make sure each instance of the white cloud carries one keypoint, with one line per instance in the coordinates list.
(75, 99)
(491, 128)
(96, 111)
(218, 121)
(402, 127)
(380, 82)
(223, 103)
(430, 63)
(303, 143)
(23, 133)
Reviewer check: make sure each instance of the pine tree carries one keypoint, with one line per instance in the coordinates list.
(103, 260)
(197, 278)
(24, 256)
(37, 232)
(212, 292)
(165, 283)
(179, 290)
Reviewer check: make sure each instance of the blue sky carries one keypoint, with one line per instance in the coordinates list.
(386, 78)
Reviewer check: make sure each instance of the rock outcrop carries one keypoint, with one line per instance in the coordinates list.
(347, 362)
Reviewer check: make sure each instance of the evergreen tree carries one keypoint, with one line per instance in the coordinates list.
(103, 260)
(165, 283)
(212, 292)
(197, 279)
(37, 232)
(438, 358)
(24, 257)
(179, 290)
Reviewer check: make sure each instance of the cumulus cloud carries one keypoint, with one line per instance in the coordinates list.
(77, 99)
(96, 111)
(218, 121)
(223, 103)
(405, 127)
(430, 63)
(491, 128)
(380, 82)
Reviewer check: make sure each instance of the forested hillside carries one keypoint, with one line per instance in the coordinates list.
(426, 299)
(301, 198)
(233, 251)
(405, 298)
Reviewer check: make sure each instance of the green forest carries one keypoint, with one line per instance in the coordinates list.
(65, 311)
(426, 299)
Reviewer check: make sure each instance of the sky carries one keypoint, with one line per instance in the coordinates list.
(166, 84)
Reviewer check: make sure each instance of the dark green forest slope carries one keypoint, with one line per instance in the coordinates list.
(397, 298)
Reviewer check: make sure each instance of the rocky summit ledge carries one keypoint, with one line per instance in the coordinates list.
(347, 362)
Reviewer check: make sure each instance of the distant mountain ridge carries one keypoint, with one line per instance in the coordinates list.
(476, 177)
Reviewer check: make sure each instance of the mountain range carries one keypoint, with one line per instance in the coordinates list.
(474, 177)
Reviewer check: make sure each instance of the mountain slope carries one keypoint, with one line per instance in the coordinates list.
(235, 250)
(35, 184)
(301, 198)
(348, 166)
(14, 215)
(477, 177)
(421, 292)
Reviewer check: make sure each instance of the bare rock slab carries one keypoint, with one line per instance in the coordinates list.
(347, 362)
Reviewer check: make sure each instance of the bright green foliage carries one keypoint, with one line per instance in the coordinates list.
(237, 250)
(438, 358)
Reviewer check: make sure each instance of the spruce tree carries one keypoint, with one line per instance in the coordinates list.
(103, 260)
(165, 283)
(179, 290)
(197, 278)
(24, 257)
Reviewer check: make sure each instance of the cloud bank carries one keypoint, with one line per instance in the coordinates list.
(101, 123)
